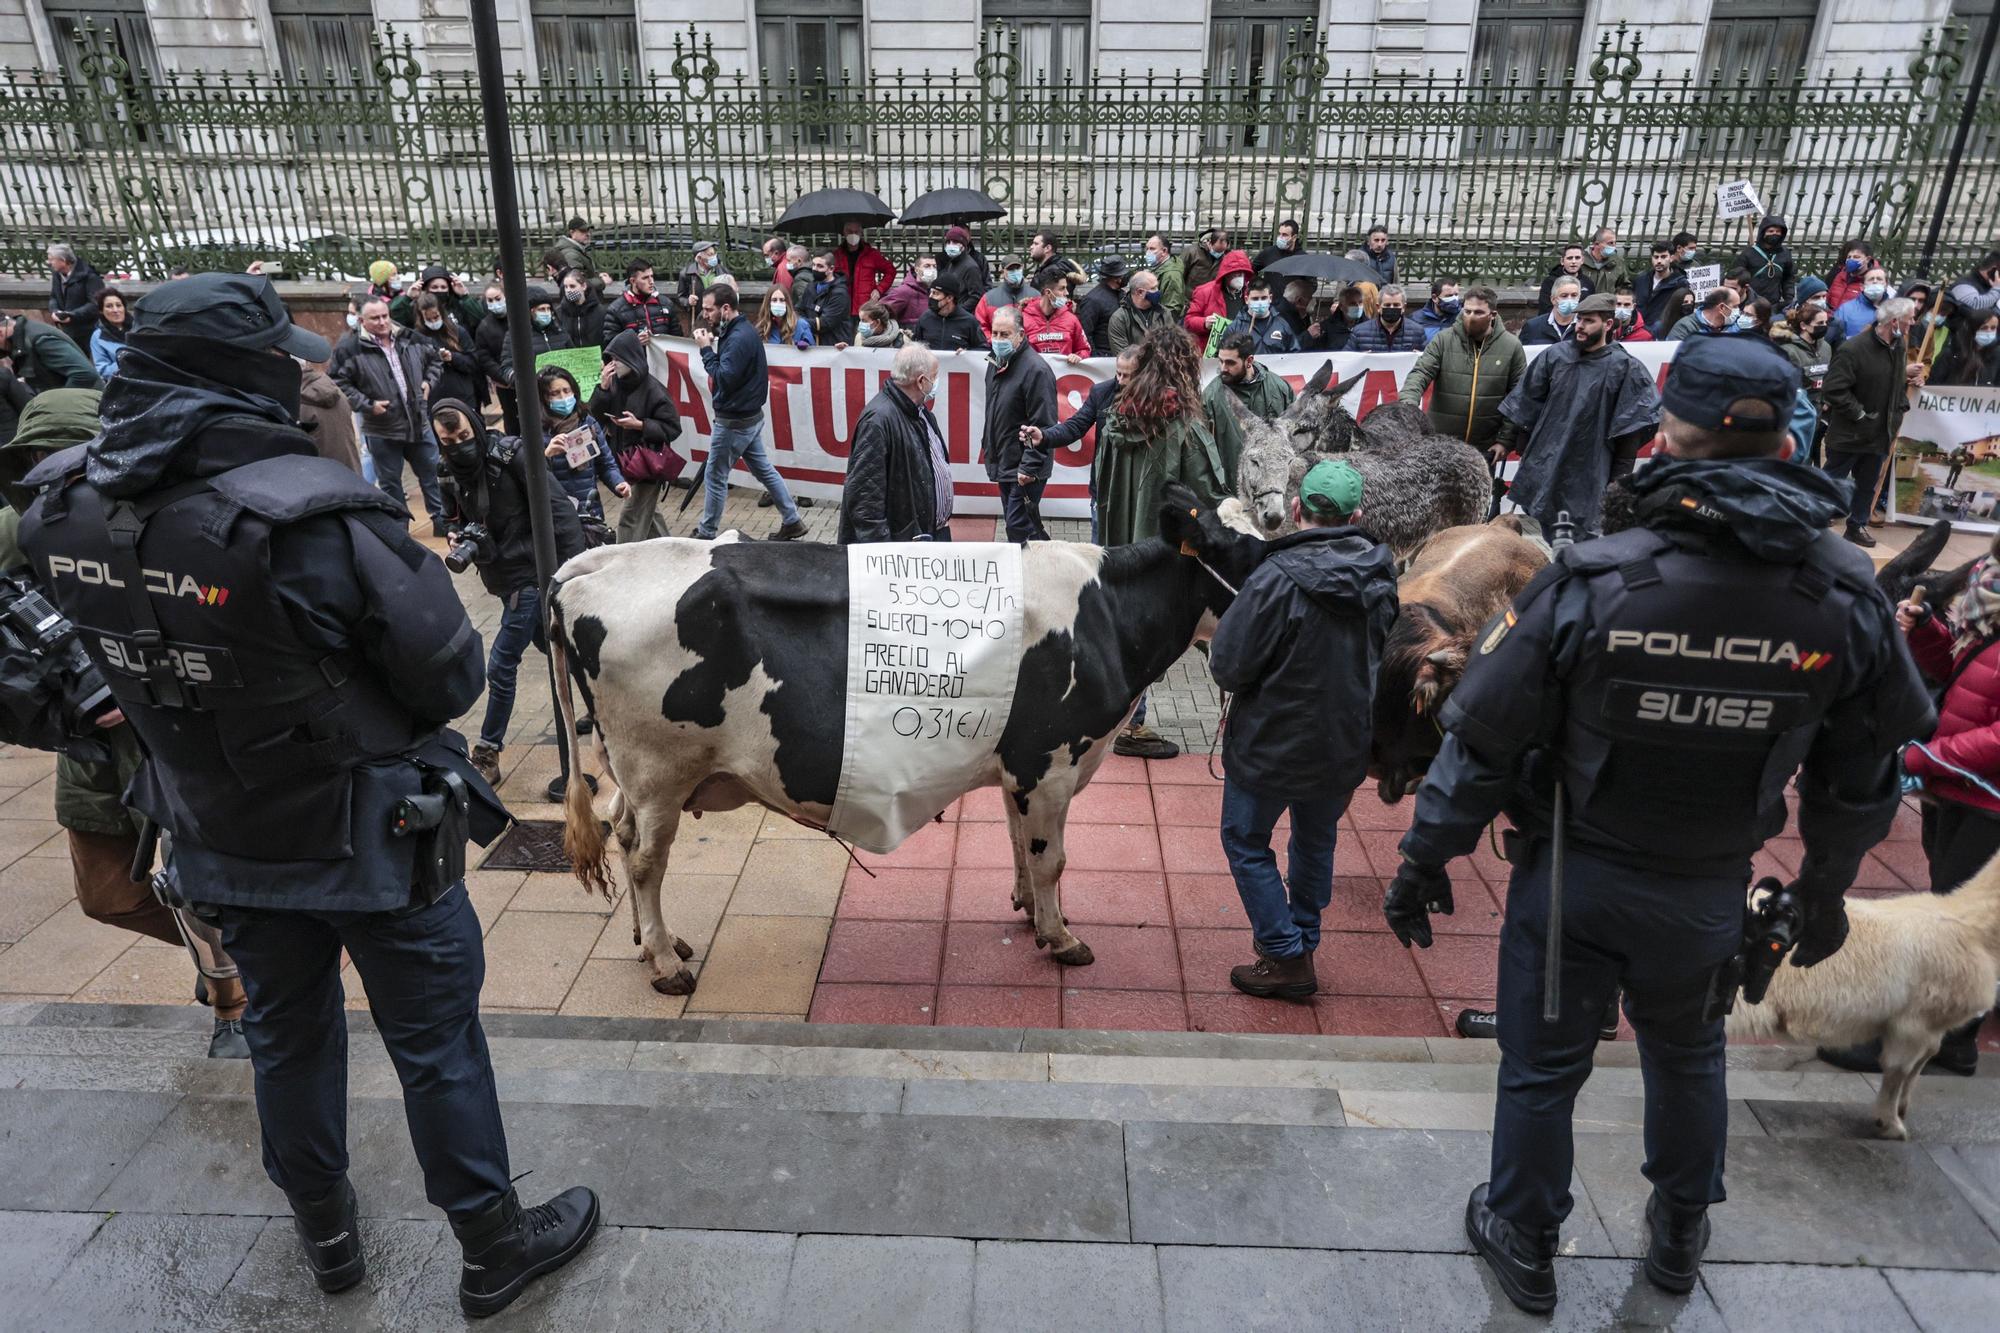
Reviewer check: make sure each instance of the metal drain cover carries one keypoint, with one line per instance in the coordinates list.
(532, 844)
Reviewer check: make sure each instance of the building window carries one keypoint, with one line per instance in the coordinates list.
(1526, 41)
(1249, 42)
(814, 47)
(120, 28)
(1753, 43)
(585, 51)
(325, 41)
(1050, 42)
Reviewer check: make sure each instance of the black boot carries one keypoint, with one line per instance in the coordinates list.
(508, 1246)
(1959, 1054)
(330, 1236)
(1607, 1026)
(1523, 1263)
(1679, 1235)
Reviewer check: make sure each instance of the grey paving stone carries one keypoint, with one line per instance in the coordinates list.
(1225, 1045)
(1974, 1171)
(570, 1027)
(59, 1149)
(636, 1088)
(167, 1017)
(837, 1061)
(1125, 1102)
(139, 1272)
(1828, 1300)
(124, 1074)
(1932, 1119)
(866, 1036)
(802, 1171)
(700, 1282)
(16, 1012)
(1319, 1188)
(1948, 1302)
(1596, 1113)
(1032, 1288)
(1283, 1291)
(879, 1284)
(123, 1043)
(1264, 1073)
(273, 1289)
(34, 1247)
(559, 1053)
(1810, 1201)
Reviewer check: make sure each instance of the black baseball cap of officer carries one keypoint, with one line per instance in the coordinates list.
(1730, 384)
(238, 308)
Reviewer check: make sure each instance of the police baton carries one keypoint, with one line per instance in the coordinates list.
(1563, 536)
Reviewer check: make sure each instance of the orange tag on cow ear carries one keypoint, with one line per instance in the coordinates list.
(1188, 550)
(1194, 513)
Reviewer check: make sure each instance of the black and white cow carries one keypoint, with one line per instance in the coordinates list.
(717, 673)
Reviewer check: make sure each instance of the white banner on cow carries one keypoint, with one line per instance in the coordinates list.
(1942, 452)
(817, 395)
(933, 651)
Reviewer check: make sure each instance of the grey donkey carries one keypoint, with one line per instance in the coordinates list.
(1415, 482)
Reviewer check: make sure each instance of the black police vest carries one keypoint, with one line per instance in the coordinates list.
(251, 731)
(1697, 693)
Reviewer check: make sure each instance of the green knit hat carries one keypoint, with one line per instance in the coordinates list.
(1331, 488)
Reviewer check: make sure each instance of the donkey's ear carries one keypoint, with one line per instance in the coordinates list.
(1317, 384)
(1346, 386)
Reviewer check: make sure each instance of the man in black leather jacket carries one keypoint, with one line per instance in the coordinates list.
(898, 486)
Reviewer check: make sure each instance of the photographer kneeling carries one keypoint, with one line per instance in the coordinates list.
(487, 512)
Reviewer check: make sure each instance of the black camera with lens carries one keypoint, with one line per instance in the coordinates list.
(472, 544)
(51, 693)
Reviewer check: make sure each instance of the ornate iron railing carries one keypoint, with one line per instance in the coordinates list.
(1480, 177)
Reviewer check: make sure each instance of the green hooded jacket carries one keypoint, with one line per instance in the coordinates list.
(1468, 382)
(1263, 397)
(1131, 470)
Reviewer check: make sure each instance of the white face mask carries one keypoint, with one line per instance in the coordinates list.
(1875, 291)
(927, 276)
(779, 308)
(353, 320)
(953, 249)
(1236, 283)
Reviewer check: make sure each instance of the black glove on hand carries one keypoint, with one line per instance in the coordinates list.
(1824, 931)
(1413, 895)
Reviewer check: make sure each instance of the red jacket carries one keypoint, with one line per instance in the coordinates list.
(1968, 730)
(1060, 334)
(1844, 288)
(868, 272)
(1637, 333)
(1213, 298)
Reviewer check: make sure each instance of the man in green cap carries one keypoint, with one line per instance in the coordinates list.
(1299, 649)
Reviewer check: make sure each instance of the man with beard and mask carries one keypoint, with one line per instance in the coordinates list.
(1100, 303)
(291, 680)
(1672, 768)
(1012, 289)
(1284, 247)
(1774, 275)
(1437, 314)
(489, 488)
(944, 327)
(1470, 367)
(824, 302)
(1389, 331)
(1584, 408)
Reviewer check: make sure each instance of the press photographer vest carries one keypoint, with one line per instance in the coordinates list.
(251, 732)
(1697, 693)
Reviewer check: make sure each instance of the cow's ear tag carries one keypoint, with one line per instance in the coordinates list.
(1187, 549)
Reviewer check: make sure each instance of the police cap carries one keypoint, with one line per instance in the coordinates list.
(239, 308)
(1709, 380)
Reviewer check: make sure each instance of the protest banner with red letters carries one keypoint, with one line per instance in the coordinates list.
(817, 395)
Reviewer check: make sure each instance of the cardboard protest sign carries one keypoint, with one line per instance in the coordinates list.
(585, 365)
(1737, 199)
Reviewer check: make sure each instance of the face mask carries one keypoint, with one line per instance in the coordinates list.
(1152, 259)
(1610, 250)
(1623, 316)
(1742, 320)
(544, 318)
(1933, 319)
(1687, 255)
(953, 250)
(1853, 265)
(1284, 242)
(1217, 254)
(497, 307)
(1003, 348)
(853, 242)
(1566, 306)
(562, 407)
(1259, 309)
(430, 323)
(463, 457)
(791, 268)
(1875, 291)
(930, 398)
(1236, 283)
(822, 279)
(575, 295)
(779, 308)
(927, 275)
(867, 329)
(1059, 303)
(1015, 277)
(1142, 299)
(1986, 337)
(1450, 308)
(1354, 313)
(353, 321)
(1392, 314)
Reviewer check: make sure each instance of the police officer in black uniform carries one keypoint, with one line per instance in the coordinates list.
(1663, 684)
(289, 658)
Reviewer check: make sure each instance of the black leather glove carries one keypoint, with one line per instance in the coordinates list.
(1824, 931)
(1413, 895)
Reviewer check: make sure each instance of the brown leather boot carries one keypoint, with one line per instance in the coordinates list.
(1277, 978)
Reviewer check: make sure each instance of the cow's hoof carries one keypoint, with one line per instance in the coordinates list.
(683, 949)
(1077, 955)
(680, 983)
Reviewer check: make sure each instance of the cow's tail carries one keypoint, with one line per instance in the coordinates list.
(583, 834)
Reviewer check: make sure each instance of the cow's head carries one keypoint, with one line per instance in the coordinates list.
(1198, 532)
(1421, 663)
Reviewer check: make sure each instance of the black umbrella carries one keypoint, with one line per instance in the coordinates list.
(829, 210)
(953, 207)
(1324, 268)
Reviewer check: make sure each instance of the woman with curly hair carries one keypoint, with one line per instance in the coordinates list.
(1155, 432)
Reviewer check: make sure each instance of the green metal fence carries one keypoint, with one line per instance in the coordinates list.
(1480, 177)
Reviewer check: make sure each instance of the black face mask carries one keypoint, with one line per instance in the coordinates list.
(463, 457)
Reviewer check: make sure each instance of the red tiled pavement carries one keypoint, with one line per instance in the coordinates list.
(934, 937)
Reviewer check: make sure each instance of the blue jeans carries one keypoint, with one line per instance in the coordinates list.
(520, 625)
(1284, 922)
(1022, 507)
(726, 445)
(388, 456)
(423, 971)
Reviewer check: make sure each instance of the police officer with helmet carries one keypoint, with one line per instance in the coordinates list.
(1653, 692)
(289, 659)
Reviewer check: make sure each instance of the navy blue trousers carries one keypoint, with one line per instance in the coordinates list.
(1660, 938)
(422, 972)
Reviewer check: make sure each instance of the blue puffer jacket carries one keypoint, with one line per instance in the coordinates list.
(580, 483)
